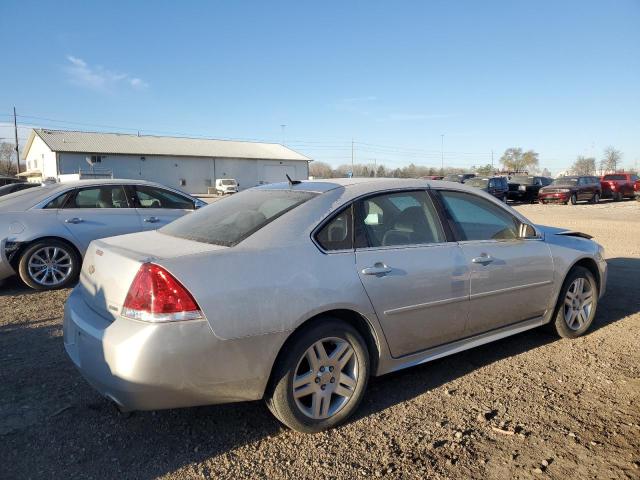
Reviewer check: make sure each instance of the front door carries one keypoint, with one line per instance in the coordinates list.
(511, 277)
(417, 282)
(158, 206)
(98, 212)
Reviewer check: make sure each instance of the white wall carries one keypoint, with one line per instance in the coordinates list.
(41, 158)
(196, 171)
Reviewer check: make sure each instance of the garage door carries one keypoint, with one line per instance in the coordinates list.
(278, 173)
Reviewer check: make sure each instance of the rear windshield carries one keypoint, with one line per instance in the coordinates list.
(228, 182)
(565, 181)
(229, 221)
(615, 177)
(477, 182)
(522, 180)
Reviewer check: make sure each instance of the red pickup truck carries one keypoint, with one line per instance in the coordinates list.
(619, 185)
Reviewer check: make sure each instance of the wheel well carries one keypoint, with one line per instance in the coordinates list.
(351, 317)
(590, 265)
(15, 260)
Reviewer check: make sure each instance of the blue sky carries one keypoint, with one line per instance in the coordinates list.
(560, 77)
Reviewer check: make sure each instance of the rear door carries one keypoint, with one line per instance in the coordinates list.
(158, 206)
(511, 278)
(416, 280)
(97, 212)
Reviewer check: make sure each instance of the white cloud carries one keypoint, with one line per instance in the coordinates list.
(99, 78)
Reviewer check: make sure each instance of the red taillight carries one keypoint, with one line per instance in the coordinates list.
(156, 296)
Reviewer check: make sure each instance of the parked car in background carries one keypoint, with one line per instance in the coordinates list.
(458, 177)
(525, 188)
(7, 180)
(572, 189)
(16, 187)
(45, 231)
(619, 185)
(226, 185)
(432, 177)
(496, 186)
(299, 292)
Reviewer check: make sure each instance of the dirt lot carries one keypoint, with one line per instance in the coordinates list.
(530, 406)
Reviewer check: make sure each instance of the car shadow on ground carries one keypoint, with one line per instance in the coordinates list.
(50, 410)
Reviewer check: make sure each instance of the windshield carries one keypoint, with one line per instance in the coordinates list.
(615, 177)
(229, 221)
(228, 182)
(477, 182)
(522, 180)
(565, 181)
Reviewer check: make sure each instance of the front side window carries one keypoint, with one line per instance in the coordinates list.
(474, 218)
(227, 222)
(337, 233)
(396, 219)
(153, 197)
(108, 196)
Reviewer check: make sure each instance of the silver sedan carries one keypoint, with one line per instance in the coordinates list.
(298, 292)
(44, 231)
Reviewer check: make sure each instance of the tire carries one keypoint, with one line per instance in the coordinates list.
(574, 199)
(59, 259)
(564, 322)
(295, 361)
(617, 197)
(596, 198)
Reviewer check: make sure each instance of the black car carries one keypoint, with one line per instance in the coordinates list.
(16, 187)
(458, 177)
(496, 186)
(525, 188)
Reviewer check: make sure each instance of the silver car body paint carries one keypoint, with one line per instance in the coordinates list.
(256, 294)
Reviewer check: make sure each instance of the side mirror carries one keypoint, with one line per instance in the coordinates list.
(528, 231)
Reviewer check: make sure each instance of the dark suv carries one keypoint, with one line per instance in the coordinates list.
(572, 189)
(496, 186)
(459, 177)
(525, 188)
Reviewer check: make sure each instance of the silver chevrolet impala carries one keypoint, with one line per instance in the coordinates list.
(298, 292)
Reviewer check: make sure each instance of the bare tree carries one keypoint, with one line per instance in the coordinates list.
(8, 167)
(609, 162)
(320, 170)
(583, 166)
(484, 170)
(516, 160)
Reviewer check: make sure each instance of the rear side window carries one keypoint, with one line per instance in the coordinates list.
(111, 196)
(229, 221)
(153, 197)
(337, 233)
(58, 202)
(474, 218)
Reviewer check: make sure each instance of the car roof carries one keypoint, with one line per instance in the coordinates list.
(325, 185)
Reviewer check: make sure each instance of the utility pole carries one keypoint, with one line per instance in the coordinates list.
(283, 127)
(442, 152)
(352, 154)
(15, 129)
(492, 168)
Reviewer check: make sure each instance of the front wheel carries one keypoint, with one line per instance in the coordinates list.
(320, 378)
(577, 304)
(574, 199)
(48, 265)
(596, 198)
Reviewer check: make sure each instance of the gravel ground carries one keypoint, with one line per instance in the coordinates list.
(530, 406)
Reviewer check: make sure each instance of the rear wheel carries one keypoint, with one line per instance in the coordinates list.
(320, 378)
(596, 198)
(48, 265)
(617, 197)
(577, 304)
(574, 199)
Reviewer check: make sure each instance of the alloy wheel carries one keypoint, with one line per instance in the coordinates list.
(578, 303)
(50, 266)
(325, 378)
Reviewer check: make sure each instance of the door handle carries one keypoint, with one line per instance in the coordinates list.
(152, 219)
(73, 220)
(378, 268)
(483, 259)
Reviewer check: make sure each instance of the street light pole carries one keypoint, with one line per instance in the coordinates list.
(15, 128)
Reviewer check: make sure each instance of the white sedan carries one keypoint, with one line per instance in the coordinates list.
(45, 231)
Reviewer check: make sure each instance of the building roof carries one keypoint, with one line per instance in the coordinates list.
(127, 144)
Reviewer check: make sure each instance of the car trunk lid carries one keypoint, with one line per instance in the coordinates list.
(111, 264)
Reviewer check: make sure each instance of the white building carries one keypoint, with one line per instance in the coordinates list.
(190, 164)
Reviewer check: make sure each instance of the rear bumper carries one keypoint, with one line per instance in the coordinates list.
(145, 366)
(554, 197)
